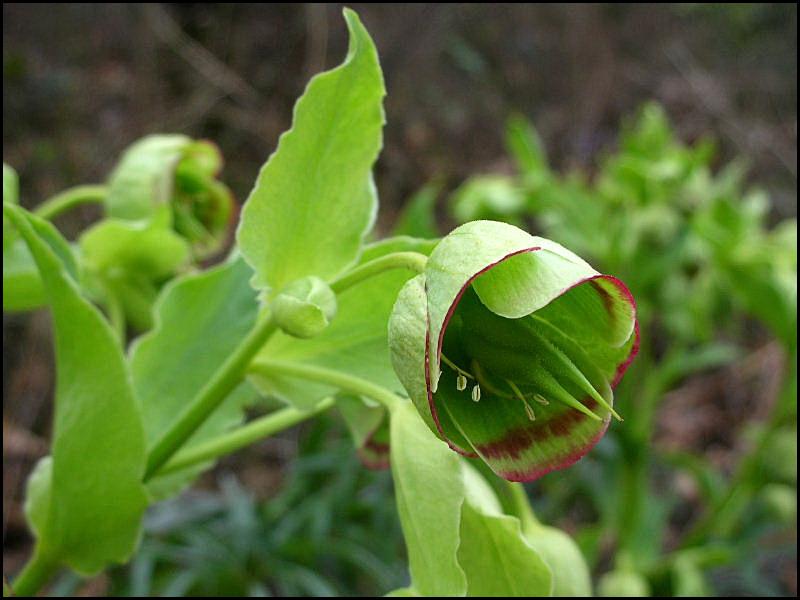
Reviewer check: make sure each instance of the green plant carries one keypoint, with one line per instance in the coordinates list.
(303, 311)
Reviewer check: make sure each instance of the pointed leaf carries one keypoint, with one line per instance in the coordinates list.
(314, 199)
(89, 513)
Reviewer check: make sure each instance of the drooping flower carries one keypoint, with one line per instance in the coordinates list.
(510, 345)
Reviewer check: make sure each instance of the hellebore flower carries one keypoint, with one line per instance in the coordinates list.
(509, 346)
(176, 175)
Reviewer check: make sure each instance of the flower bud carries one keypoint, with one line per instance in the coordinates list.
(305, 307)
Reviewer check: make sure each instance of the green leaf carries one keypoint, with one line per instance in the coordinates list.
(458, 540)
(623, 584)
(368, 423)
(488, 197)
(10, 195)
(430, 492)
(314, 199)
(200, 320)
(126, 261)
(88, 513)
(418, 218)
(356, 340)
(406, 592)
(22, 286)
(571, 577)
(537, 335)
(525, 145)
(496, 558)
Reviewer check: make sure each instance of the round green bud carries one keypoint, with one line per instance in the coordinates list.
(305, 307)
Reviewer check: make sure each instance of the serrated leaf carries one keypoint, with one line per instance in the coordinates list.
(90, 513)
(200, 320)
(314, 199)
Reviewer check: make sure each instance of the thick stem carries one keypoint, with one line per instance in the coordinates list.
(242, 437)
(413, 261)
(35, 574)
(68, 199)
(222, 383)
(348, 383)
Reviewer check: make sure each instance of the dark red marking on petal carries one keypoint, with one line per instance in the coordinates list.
(626, 293)
(623, 366)
(557, 463)
(518, 440)
(374, 463)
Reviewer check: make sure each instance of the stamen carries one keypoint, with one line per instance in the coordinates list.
(482, 378)
(518, 393)
(455, 367)
(541, 399)
(550, 386)
(529, 412)
(461, 382)
(476, 393)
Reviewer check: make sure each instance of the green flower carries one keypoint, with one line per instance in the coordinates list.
(176, 175)
(509, 346)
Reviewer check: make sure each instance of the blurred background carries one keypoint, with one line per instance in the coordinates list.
(657, 141)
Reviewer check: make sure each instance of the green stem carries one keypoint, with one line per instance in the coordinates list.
(521, 506)
(413, 261)
(222, 383)
(116, 314)
(68, 199)
(232, 371)
(35, 574)
(242, 437)
(348, 383)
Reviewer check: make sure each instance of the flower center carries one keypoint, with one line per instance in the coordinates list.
(529, 359)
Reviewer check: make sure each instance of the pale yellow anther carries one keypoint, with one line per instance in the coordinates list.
(476, 393)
